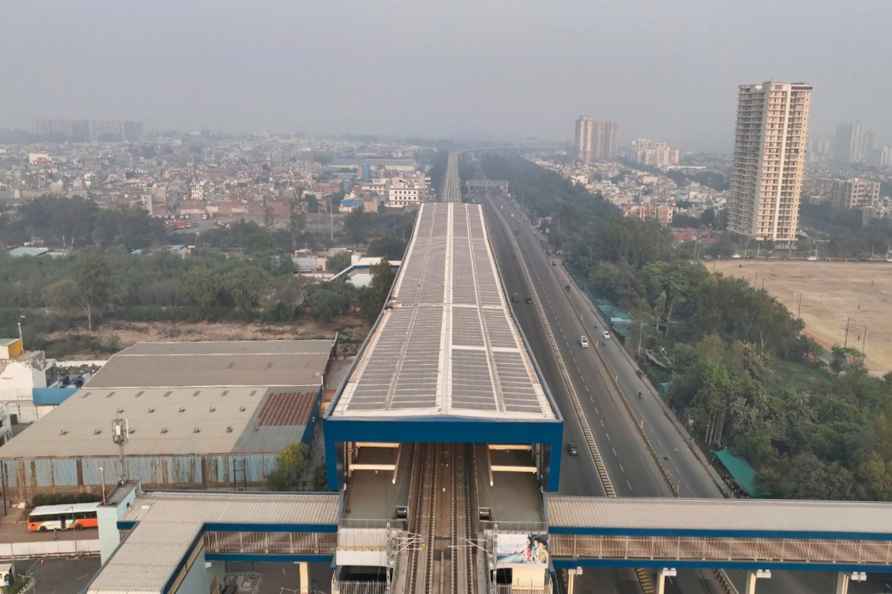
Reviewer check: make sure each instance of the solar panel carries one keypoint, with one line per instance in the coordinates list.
(466, 327)
(447, 345)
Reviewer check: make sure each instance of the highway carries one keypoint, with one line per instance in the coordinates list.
(632, 432)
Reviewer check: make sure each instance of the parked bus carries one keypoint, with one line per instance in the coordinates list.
(70, 516)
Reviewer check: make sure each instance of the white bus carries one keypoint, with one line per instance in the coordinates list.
(68, 516)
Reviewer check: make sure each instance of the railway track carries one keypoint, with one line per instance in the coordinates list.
(442, 514)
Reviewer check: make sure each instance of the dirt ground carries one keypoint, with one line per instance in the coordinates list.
(351, 329)
(832, 294)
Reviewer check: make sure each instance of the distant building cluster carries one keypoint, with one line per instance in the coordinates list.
(653, 153)
(198, 182)
(64, 130)
(769, 160)
(595, 140)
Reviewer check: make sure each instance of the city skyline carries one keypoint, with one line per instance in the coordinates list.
(384, 69)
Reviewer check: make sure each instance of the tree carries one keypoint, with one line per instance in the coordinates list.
(245, 285)
(372, 299)
(94, 281)
(202, 287)
(288, 475)
(338, 262)
(63, 295)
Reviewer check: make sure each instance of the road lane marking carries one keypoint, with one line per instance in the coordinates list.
(608, 436)
(621, 469)
(629, 484)
(614, 452)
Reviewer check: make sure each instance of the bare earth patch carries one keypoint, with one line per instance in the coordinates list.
(352, 331)
(832, 294)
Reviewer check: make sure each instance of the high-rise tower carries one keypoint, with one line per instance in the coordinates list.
(769, 160)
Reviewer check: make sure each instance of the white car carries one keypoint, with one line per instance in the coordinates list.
(606, 335)
(583, 341)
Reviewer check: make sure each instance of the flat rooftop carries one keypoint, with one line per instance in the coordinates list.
(165, 421)
(719, 515)
(169, 523)
(216, 363)
(446, 345)
(187, 398)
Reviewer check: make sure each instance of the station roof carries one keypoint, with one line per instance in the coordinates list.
(446, 345)
(169, 523)
(216, 363)
(718, 515)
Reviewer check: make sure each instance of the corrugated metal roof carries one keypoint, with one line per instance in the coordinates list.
(170, 522)
(230, 363)
(718, 514)
(162, 422)
(286, 408)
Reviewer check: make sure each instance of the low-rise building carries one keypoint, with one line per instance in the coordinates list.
(21, 372)
(196, 414)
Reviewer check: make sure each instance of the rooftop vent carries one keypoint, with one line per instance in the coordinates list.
(85, 394)
(196, 429)
(241, 408)
(168, 393)
(97, 431)
(228, 428)
(63, 432)
(196, 393)
(120, 411)
(212, 409)
(225, 392)
(182, 409)
(269, 364)
(253, 392)
(131, 429)
(164, 430)
(151, 410)
(140, 393)
(110, 394)
(231, 365)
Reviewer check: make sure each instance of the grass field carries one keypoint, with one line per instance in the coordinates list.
(832, 295)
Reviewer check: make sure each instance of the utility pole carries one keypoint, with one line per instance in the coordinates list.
(799, 307)
(845, 342)
(864, 341)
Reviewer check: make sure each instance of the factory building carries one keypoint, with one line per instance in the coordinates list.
(195, 415)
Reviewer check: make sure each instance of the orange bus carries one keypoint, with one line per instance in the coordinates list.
(69, 516)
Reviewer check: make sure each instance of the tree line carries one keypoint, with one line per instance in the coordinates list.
(80, 291)
(741, 373)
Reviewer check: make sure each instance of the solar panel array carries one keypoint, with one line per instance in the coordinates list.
(446, 344)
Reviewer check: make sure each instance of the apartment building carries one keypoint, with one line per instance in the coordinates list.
(595, 140)
(653, 153)
(769, 160)
(855, 192)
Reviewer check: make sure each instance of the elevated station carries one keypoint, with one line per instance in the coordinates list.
(445, 362)
(443, 429)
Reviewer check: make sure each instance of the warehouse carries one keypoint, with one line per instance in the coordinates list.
(195, 415)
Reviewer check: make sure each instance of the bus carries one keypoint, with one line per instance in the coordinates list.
(69, 516)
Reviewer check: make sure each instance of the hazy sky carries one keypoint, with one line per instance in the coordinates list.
(455, 68)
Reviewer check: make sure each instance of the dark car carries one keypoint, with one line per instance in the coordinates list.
(571, 449)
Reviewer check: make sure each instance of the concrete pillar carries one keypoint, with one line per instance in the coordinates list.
(304, 572)
(571, 580)
(842, 583)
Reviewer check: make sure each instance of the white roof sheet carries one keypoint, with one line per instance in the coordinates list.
(170, 522)
(719, 514)
(447, 345)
